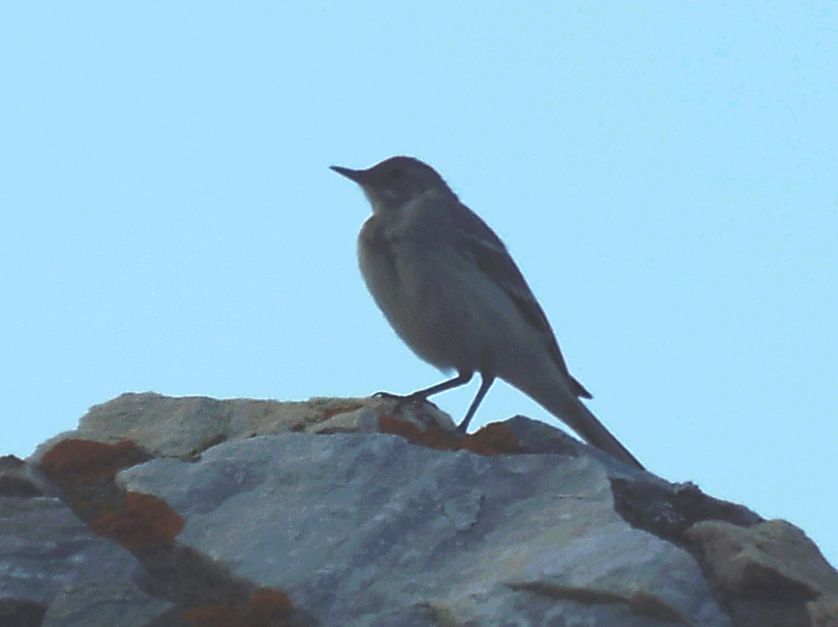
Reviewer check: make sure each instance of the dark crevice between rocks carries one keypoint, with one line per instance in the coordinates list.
(195, 454)
(203, 593)
(669, 511)
(639, 604)
(21, 613)
(207, 594)
(778, 604)
(13, 481)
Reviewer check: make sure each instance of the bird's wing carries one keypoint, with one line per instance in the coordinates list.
(490, 255)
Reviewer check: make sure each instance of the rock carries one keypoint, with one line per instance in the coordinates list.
(356, 511)
(772, 561)
(55, 571)
(447, 530)
(183, 427)
(14, 479)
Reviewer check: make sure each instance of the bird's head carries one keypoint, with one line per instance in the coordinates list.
(396, 181)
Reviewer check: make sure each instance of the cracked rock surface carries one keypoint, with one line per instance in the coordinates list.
(166, 511)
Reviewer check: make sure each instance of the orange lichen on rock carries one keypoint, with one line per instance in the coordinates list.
(139, 521)
(432, 437)
(72, 463)
(492, 439)
(266, 607)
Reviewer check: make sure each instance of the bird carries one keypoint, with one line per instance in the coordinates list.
(452, 292)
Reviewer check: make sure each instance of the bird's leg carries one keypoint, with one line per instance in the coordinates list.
(422, 395)
(485, 384)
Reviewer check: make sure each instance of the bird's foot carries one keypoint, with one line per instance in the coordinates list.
(402, 400)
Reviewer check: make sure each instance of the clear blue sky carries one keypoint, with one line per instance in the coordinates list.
(665, 174)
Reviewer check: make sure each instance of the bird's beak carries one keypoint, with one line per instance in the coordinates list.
(353, 175)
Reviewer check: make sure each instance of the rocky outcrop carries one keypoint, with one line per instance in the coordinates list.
(193, 511)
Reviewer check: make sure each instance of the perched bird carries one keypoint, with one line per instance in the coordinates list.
(452, 292)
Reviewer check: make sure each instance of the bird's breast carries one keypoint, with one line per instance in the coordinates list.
(401, 278)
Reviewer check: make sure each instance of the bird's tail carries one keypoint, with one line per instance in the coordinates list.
(588, 426)
(556, 398)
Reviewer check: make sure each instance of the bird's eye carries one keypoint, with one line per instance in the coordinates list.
(396, 174)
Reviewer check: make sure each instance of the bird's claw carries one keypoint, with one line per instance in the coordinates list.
(402, 400)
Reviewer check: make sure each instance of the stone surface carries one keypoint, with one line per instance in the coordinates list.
(48, 556)
(16, 479)
(350, 525)
(364, 512)
(772, 561)
(183, 427)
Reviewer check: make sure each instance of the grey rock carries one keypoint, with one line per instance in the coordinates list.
(354, 527)
(359, 512)
(183, 427)
(47, 555)
(772, 560)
